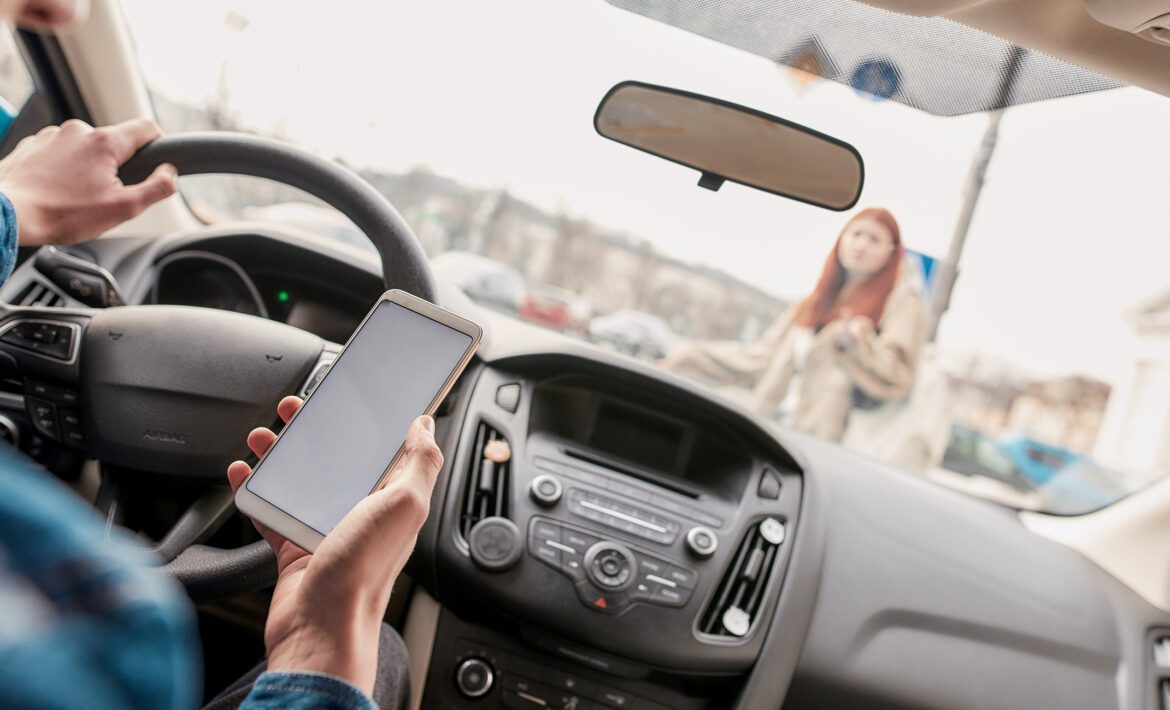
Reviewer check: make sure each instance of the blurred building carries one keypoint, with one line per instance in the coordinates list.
(1135, 435)
(997, 399)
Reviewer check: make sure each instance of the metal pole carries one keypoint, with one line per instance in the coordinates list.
(948, 270)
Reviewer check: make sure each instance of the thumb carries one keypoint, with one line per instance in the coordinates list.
(161, 184)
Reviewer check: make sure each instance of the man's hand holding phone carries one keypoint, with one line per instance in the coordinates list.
(328, 605)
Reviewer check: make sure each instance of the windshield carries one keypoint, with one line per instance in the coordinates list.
(1047, 384)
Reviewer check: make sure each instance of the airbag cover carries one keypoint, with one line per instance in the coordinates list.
(175, 390)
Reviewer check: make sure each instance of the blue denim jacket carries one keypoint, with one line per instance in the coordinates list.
(90, 623)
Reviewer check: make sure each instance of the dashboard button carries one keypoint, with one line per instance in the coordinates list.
(474, 678)
(702, 541)
(546, 554)
(603, 601)
(628, 491)
(546, 530)
(545, 490)
(683, 576)
(495, 544)
(670, 596)
(571, 683)
(769, 485)
(508, 397)
(577, 539)
(614, 698)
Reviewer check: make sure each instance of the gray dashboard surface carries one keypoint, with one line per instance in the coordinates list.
(930, 599)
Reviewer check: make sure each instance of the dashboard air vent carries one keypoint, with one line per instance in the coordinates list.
(40, 295)
(740, 593)
(485, 492)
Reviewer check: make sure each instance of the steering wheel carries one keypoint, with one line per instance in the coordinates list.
(171, 391)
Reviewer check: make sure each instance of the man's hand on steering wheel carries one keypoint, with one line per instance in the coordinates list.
(327, 606)
(63, 182)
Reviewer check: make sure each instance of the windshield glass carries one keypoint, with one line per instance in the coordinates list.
(1048, 384)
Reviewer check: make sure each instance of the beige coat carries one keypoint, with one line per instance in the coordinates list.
(883, 366)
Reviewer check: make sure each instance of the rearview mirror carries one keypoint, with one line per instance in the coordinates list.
(724, 141)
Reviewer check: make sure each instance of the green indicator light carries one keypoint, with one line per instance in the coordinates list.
(282, 296)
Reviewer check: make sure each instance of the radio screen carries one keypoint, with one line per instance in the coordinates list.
(638, 437)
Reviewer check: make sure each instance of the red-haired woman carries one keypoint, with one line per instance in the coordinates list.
(861, 330)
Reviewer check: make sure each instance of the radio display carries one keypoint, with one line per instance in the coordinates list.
(640, 437)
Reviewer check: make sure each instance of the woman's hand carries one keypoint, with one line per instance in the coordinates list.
(327, 607)
(860, 328)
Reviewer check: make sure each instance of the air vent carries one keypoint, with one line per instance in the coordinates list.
(740, 594)
(485, 492)
(40, 295)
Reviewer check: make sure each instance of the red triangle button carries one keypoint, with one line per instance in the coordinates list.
(600, 603)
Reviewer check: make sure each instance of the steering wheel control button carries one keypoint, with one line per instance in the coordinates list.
(545, 490)
(495, 544)
(474, 678)
(605, 601)
(772, 530)
(702, 541)
(59, 395)
(49, 338)
(610, 566)
(508, 397)
(44, 417)
(70, 420)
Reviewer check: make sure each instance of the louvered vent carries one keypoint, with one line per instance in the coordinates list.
(485, 493)
(740, 594)
(39, 294)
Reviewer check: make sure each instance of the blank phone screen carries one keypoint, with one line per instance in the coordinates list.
(335, 450)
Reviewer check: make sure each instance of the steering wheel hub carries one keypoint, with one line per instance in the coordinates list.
(171, 389)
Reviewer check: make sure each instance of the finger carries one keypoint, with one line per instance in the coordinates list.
(161, 184)
(126, 138)
(420, 462)
(260, 440)
(288, 407)
(237, 472)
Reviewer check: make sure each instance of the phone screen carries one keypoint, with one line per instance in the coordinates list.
(335, 450)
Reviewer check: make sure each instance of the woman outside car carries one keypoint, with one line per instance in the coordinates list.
(856, 340)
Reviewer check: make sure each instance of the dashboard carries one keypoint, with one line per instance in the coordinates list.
(606, 536)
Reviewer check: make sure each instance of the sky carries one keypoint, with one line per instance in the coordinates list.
(1069, 234)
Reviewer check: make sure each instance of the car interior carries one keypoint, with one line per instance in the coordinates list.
(665, 547)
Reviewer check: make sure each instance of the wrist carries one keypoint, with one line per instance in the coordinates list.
(346, 648)
(30, 219)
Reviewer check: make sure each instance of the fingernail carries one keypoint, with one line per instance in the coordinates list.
(428, 424)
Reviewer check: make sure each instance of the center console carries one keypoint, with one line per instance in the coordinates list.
(605, 547)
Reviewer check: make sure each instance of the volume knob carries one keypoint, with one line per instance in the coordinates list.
(474, 678)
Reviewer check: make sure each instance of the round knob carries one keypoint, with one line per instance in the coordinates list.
(495, 544)
(610, 565)
(545, 490)
(474, 677)
(702, 541)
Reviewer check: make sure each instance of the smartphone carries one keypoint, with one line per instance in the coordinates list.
(342, 443)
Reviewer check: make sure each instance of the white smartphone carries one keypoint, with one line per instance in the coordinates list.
(340, 446)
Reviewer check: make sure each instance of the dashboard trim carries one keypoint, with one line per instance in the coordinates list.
(196, 254)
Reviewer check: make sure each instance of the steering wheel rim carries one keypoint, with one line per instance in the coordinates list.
(208, 572)
(404, 264)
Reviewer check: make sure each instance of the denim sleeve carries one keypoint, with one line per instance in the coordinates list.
(7, 238)
(304, 691)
